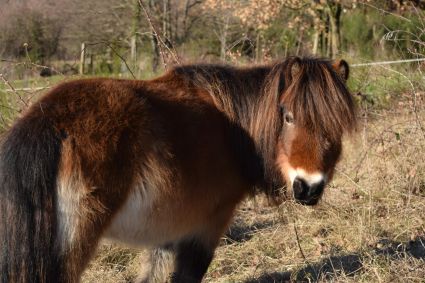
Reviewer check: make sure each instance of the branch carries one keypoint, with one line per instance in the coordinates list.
(385, 12)
(122, 59)
(194, 3)
(162, 43)
(301, 249)
(13, 89)
(108, 44)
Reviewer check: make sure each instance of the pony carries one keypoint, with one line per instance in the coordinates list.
(163, 163)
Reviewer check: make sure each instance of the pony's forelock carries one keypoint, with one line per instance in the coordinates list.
(319, 100)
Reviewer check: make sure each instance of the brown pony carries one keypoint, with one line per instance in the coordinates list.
(163, 163)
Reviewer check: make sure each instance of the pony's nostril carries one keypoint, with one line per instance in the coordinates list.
(306, 193)
(316, 189)
(300, 188)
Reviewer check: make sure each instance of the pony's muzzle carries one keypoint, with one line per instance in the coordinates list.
(305, 193)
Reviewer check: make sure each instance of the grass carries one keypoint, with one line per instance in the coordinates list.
(369, 227)
(380, 85)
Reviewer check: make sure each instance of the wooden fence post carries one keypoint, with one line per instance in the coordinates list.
(133, 51)
(82, 58)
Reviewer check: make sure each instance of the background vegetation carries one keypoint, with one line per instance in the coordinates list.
(51, 32)
(370, 227)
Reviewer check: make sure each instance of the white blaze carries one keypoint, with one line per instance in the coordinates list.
(310, 178)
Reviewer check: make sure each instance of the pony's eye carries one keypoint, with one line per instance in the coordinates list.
(326, 144)
(282, 109)
(289, 118)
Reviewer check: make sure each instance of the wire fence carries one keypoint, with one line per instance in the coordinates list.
(387, 62)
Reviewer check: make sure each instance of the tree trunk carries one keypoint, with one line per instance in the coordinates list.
(133, 51)
(334, 11)
(154, 43)
(328, 38)
(316, 41)
(185, 27)
(155, 53)
(82, 58)
(109, 59)
(318, 31)
(257, 47)
(186, 14)
(137, 13)
(166, 19)
(175, 26)
(299, 41)
(223, 39)
(91, 64)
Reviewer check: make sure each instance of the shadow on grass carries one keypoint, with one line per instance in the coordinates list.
(349, 265)
(241, 232)
(395, 249)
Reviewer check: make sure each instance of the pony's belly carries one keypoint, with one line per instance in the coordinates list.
(145, 220)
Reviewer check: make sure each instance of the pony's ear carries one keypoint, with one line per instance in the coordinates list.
(342, 69)
(283, 74)
(290, 69)
(295, 67)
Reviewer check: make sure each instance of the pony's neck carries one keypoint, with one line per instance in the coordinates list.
(248, 93)
(245, 96)
(255, 109)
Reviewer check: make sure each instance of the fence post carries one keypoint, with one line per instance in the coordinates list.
(82, 58)
(133, 51)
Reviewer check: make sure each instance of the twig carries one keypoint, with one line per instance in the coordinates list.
(10, 108)
(27, 89)
(13, 89)
(122, 59)
(3, 120)
(301, 250)
(162, 43)
(299, 244)
(108, 44)
(161, 51)
(387, 62)
(16, 63)
(385, 12)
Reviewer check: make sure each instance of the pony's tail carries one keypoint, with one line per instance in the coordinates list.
(29, 160)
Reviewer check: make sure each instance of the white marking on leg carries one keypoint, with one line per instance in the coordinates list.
(68, 209)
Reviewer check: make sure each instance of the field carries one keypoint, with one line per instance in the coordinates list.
(369, 227)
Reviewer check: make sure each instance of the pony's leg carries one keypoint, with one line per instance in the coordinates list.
(195, 253)
(79, 250)
(187, 262)
(159, 267)
(193, 257)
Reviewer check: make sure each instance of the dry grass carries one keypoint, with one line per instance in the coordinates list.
(369, 227)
